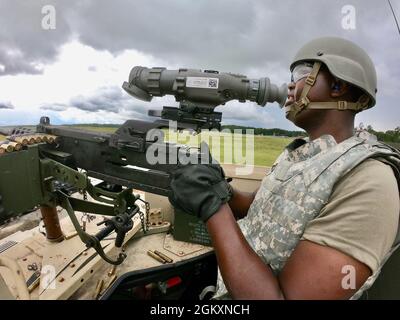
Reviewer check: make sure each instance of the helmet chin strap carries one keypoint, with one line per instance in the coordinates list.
(305, 103)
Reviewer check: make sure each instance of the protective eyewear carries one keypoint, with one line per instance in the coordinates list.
(301, 71)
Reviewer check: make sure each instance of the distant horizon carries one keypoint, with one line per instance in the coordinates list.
(120, 124)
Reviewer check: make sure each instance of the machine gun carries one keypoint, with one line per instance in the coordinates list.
(36, 165)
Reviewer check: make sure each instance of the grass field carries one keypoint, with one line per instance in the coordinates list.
(237, 149)
(266, 149)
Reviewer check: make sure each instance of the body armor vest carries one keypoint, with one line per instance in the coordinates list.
(296, 189)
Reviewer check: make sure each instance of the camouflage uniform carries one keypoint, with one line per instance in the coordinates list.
(296, 189)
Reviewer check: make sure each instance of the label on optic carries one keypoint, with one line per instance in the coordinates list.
(202, 82)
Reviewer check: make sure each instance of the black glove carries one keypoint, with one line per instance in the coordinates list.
(199, 189)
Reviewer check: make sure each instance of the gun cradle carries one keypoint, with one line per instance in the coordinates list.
(20, 183)
(68, 281)
(28, 178)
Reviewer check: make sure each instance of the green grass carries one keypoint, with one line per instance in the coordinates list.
(97, 129)
(266, 148)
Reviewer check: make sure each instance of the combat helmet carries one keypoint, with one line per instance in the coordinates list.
(346, 61)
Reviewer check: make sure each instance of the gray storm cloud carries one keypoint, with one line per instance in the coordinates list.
(54, 107)
(24, 45)
(257, 38)
(107, 99)
(235, 35)
(6, 105)
(111, 99)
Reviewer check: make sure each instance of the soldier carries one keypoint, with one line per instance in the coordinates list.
(325, 218)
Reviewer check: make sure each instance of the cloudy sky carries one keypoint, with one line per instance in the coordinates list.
(74, 73)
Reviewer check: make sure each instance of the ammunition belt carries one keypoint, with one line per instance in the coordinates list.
(18, 142)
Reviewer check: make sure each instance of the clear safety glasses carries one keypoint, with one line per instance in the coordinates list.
(301, 71)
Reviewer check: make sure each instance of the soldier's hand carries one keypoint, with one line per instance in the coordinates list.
(199, 189)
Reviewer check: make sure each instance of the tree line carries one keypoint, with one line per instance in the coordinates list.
(384, 136)
(267, 132)
(387, 136)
